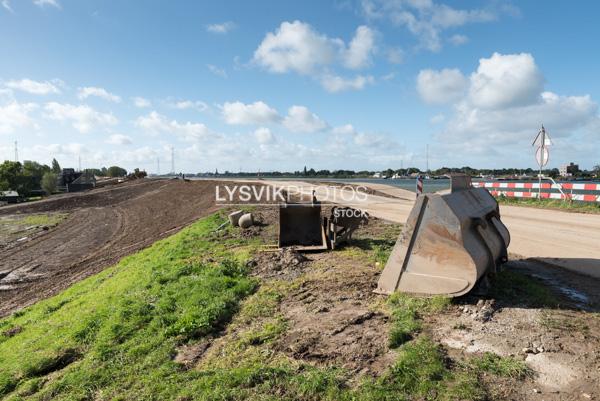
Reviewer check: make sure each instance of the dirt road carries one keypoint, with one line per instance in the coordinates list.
(102, 226)
(569, 240)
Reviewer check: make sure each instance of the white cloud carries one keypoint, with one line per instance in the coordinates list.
(438, 87)
(34, 87)
(220, 28)
(6, 5)
(238, 113)
(187, 105)
(216, 70)
(157, 123)
(102, 93)
(458, 39)
(43, 3)
(300, 119)
(437, 119)
(141, 102)
(504, 106)
(425, 19)
(347, 129)
(119, 139)
(264, 136)
(83, 118)
(506, 80)
(334, 83)
(395, 55)
(15, 116)
(360, 49)
(296, 46)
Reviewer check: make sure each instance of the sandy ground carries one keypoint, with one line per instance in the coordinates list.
(102, 226)
(569, 240)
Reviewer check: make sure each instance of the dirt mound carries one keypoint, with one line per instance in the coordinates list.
(103, 226)
(286, 263)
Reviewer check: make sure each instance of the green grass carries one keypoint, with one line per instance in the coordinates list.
(516, 288)
(406, 314)
(113, 335)
(50, 219)
(569, 206)
(499, 366)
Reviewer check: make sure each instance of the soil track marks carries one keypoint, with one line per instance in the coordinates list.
(103, 226)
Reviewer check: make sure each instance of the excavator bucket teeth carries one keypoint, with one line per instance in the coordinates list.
(448, 243)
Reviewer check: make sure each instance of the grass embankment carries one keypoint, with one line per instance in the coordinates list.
(115, 336)
(567, 206)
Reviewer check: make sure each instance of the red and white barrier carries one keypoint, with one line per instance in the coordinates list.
(494, 186)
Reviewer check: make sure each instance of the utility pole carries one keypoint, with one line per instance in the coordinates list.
(16, 152)
(79, 162)
(173, 159)
(427, 157)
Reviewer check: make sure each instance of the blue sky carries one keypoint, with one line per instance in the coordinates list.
(363, 84)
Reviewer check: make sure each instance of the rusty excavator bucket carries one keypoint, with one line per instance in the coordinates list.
(301, 226)
(449, 242)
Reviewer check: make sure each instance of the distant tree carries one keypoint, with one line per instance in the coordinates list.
(49, 182)
(596, 170)
(116, 171)
(9, 175)
(55, 167)
(304, 170)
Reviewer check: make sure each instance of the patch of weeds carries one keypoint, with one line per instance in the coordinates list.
(407, 312)
(420, 372)
(564, 321)
(500, 366)
(512, 287)
(569, 206)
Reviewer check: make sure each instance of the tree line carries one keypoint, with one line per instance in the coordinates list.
(31, 178)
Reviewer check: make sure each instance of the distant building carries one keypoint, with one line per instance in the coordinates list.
(377, 175)
(70, 180)
(568, 170)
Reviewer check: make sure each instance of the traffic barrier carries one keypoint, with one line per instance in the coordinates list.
(503, 188)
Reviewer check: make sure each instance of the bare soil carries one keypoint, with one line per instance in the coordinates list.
(102, 226)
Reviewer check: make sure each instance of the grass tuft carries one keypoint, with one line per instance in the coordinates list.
(499, 366)
(517, 288)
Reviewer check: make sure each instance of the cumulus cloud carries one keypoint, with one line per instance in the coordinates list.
(264, 136)
(506, 80)
(300, 119)
(504, 105)
(119, 139)
(156, 123)
(458, 39)
(34, 87)
(395, 55)
(238, 113)
(359, 51)
(102, 93)
(298, 47)
(43, 3)
(15, 116)
(187, 105)
(221, 28)
(217, 71)
(425, 19)
(335, 83)
(438, 87)
(141, 102)
(83, 118)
